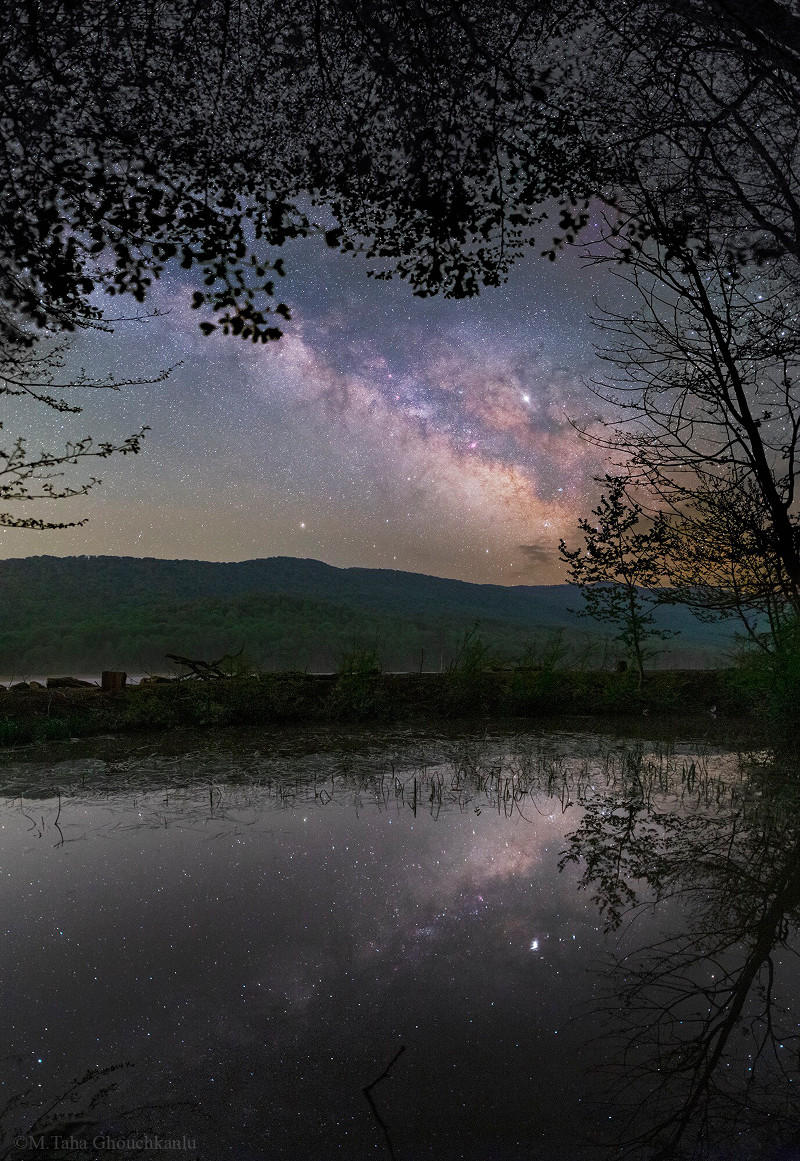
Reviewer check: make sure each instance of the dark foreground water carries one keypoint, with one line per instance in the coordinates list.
(583, 946)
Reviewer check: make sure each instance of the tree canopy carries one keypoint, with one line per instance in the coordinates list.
(439, 139)
(206, 131)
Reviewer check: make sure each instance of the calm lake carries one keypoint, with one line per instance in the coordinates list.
(585, 947)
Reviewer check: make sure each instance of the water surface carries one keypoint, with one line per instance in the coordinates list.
(584, 946)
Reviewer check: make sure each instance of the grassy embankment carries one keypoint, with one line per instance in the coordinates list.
(360, 693)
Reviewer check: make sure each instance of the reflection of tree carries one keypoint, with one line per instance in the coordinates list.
(71, 1121)
(702, 1016)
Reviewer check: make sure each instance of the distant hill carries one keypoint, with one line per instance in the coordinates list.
(88, 613)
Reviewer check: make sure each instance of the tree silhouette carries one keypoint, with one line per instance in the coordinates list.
(431, 132)
(434, 138)
(704, 383)
(35, 374)
(190, 132)
(619, 570)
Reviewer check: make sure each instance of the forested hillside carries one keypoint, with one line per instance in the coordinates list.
(88, 613)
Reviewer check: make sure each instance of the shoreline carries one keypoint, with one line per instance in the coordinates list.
(372, 697)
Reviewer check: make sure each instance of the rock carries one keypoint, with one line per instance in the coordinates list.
(20, 686)
(36, 685)
(69, 683)
(113, 679)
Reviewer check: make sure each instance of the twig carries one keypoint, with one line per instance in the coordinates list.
(367, 1090)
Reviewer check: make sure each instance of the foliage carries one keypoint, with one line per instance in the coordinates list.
(390, 116)
(355, 691)
(467, 671)
(359, 663)
(473, 655)
(544, 654)
(32, 374)
(432, 133)
(434, 138)
(367, 695)
(771, 679)
(533, 679)
(619, 569)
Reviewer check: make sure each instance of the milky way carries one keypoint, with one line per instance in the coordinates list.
(382, 430)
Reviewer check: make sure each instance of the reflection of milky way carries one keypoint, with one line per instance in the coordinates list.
(276, 955)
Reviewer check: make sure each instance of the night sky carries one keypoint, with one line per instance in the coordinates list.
(383, 430)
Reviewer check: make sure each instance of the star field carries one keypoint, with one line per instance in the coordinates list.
(382, 430)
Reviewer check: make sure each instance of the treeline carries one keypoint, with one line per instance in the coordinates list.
(84, 614)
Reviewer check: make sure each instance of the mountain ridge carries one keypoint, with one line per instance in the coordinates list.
(111, 608)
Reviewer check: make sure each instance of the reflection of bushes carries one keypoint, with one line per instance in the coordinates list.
(67, 1125)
